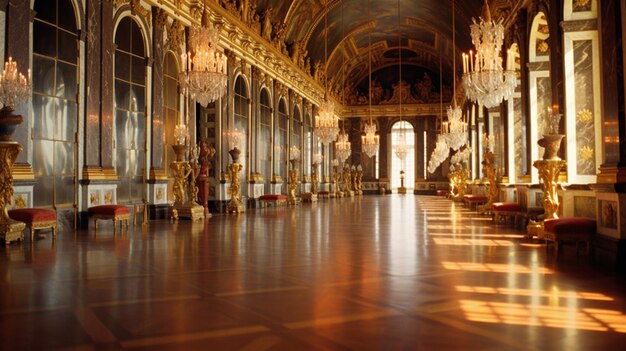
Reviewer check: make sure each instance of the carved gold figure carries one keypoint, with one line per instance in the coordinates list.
(549, 175)
(234, 205)
(10, 230)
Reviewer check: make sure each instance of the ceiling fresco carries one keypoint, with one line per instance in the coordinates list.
(425, 28)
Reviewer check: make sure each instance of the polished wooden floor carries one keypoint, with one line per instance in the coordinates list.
(371, 273)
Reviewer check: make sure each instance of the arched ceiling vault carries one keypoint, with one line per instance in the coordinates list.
(425, 28)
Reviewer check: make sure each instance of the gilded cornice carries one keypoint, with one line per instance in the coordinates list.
(392, 110)
(245, 42)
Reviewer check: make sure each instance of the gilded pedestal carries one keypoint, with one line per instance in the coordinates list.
(10, 230)
(293, 182)
(492, 185)
(234, 205)
(549, 174)
(458, 183)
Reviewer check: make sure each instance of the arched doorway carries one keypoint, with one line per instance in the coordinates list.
(402, 132)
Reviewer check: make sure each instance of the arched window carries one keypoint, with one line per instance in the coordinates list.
(280, 136)
(55, 108)
(308, 144)
(242, 113)
(296, 130)
(130, 123)
(265, 137)
(171, 113)
(402, 131)
(539, 84)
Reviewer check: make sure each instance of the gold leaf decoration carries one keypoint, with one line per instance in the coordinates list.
(93, 199)
(586, 153)
(585, 115)
(542, 46)
(20, 201)
(581, 3)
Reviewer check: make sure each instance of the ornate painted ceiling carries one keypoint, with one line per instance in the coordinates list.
(424, 31)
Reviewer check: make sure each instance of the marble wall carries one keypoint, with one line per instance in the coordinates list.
(584, 102)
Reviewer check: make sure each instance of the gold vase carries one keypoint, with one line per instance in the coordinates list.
(551, 144)
(8, 123)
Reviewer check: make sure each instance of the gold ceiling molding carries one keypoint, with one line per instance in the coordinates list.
(245, 41)
(421, 110)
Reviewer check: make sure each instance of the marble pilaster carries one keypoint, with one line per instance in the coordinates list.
(18, 20)
(92, 80)
(106, 84)
(157, 90)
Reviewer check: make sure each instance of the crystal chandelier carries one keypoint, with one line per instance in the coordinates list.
(370, 141)
(326, 122)
(401, 149)
(181, 133)
(343, 148)
(204, 76)
(485, 81)
(294, 153)
(14, 87)
(456, 133)
(234, 138)
(439, 154)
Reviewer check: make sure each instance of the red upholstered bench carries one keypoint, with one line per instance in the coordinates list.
(110, 212)
(276, 199)
(324, 194)
(443, 192)
(36, 219)
(574, 229)
(474, 200)
(503, 210)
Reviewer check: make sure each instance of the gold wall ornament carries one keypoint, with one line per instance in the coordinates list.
(108, 198)
(159, 194)
(585, 115)
(94, 199)
(549, 174)
(10, 230)
(175, 36)
(20, 201)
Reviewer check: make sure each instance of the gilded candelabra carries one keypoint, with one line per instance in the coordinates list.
(458, 182)
(549, 168)
(234, 205)
(10, 230)
(293, 181)
(489, 170)
(314, 180)
(336, 191)
(347, 182)
(184, 182)
(359, 180)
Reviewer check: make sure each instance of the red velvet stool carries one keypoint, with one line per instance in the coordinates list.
(276, 199)
(36, 219)
(503, 210)
(573, 229)
(110, 212)
(474, 200)
(443, 192)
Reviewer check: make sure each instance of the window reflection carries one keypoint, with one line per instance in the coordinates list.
(129, 118)
(55, 81)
